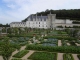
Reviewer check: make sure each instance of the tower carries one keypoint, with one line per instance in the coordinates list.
(51, 22)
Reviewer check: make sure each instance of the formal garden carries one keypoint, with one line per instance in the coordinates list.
(39, 44)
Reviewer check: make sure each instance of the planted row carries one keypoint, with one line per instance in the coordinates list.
(64, 49)
(58, 37)
(16, 59)
(21, 54)
(68, 57)
(43, 56)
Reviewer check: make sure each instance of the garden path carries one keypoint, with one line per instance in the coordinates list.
(68, 44)
(27, 55)
(1, 58)
(59, 43)
(75, 57)
(77, 44)
(22, 48)
(60, 56)
(13, 54)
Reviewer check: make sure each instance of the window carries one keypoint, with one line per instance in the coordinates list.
(46, 25)
(44, 19)
(39, 25)
(39, 22)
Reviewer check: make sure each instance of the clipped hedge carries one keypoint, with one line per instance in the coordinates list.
(21, 54)
(58, 37)
(63, 49)
(10, 35)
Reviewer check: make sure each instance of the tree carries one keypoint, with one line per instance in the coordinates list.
(6, 49)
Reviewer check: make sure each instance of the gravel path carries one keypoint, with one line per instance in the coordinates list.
(59, 43)
(13, 54)
(75, 57)
(27, 55)
(22, 48)
(77, 44)
(68, 44)
(1, 58)
(60, 56)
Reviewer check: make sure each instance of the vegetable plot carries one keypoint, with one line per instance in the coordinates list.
(43, 56)
(21, 54)
(68, 57)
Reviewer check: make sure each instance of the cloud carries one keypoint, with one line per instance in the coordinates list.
(12, 6)
(20, 9)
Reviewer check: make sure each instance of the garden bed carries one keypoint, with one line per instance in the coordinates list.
(63, 49)
(43, 56)
(16, 59)
(21, 54)
(68, 57)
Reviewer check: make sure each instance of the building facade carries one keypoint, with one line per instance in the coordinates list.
(45, 22)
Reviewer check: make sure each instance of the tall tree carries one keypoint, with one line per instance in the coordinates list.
(6, 49)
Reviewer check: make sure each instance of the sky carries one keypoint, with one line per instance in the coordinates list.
(18, 10)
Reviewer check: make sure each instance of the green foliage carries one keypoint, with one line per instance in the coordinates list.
(43, 56)
(16, 59)
(10, 35)
(21, 54)
(6, 49)
(60, 38)
(78, 56)
(7, 25)
(63, 43)
(72, 14)
(68, 57)
(72, 43)
(63, 49)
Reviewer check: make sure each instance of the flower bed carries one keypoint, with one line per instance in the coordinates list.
(43, 56)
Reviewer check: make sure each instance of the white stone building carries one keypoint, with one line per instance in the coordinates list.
(45, 22)
(18, 24)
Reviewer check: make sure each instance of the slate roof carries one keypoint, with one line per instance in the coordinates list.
(18, 23)
(38, 17)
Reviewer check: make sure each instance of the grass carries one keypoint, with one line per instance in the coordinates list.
(43, 56)
(21, 54)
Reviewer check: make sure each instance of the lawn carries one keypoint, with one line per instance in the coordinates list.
(43, 56)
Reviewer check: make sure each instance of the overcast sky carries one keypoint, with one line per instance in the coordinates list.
(17, 10)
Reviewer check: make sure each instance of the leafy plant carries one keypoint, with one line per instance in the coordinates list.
(21, 54)
(43, 56)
